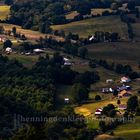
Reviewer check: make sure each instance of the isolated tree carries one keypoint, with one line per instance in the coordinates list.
(92, 64)
(102, 126)
(1, 29)
(139, 65)
(137, 13)
(7, 43)
(80, 93)
(115, 92)
(84, 8)
(97, 97)
(45, 27)
(114, 6)
(118, 102)
(14, 30)
(107, 109)
(132, 103)
(82, 51)
(112, 113)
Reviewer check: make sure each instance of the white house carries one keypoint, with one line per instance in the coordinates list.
(8, 50)
(109, 81)
(91, 38)
(38, 51)
(67, 62)
(2, 39)
(66, 100)
(125, 80)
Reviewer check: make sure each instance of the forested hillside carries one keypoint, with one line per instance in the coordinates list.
(32, 93)
(40, 14)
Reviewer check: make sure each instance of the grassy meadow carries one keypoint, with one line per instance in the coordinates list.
(119, 52)
(129, 131)
(89, 26)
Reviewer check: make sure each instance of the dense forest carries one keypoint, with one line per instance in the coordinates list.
(33, 92)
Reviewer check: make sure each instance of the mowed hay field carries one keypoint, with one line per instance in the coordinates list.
(4, 12)
(89, 26)
(31, 35)
(119, 52)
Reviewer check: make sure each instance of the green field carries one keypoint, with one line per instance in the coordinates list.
(4, 12)
(89, 26)
(129, 131)
(27, 61)
(136, 29)
(121, 52)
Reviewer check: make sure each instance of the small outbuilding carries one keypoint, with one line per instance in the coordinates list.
(124, 93)
(125, 80)
(67, 62)
(8, 50)
(66, 100)
(38, 51)
(98, 111)
(109, 81)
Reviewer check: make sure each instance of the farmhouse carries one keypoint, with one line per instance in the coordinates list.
(66, 100)
(2, 39)
(124, 87)
(91, 38)
(124, 93)
(109, 81)
(125, 80)
(27, 53)
(107, 90)
(122, 107)
(67, 62)
(38, 51)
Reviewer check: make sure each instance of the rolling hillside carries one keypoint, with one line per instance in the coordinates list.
(121, 52)
(87, 27)
(32, 35)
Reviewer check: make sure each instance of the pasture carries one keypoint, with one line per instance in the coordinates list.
(119, 52)
(129, 131)
(89, 26)
(31, 35)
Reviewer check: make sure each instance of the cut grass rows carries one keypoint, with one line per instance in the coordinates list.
(89, 26)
